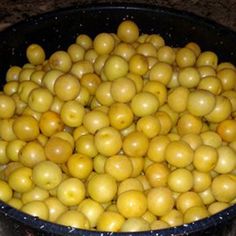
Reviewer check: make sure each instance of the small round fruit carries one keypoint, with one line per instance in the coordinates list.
(178, 98)
(103, 43)
(207, 58)
(157, 174)
(102, 188)
(128, 31)
(5, 191)
(135, 224)
(205, 158)
(149, 125)
(73, 218)
(144, 104)
(224, 188)
(159, 224)
(160, 201)
(157, 147)
(226, 160)
(120, 115)
(201, 102)
(173, 218)
(72, 113)
(132, 203)
(20, 179)
(80, 166)
(110, 221)
(221, 110)
(31, 154)
(201, 181)
(58, 150)
(227, 130)
(161, 72)
(71, 191)
(60, 60)
(187, 200)
(55, 207)
(95, 120)
(180, 180)
(216, 207)
(47, 175)
(34, 194)
(67, 87)
(108, 141)
(195, 213)
(26, 128)
(189, 124)
(135, 144)
(123, 90)
(185, 57)
(50, 123)
(85, 145)
(118, 166)
(92, 210)
(7, 106)
(115, 67)
(129, 184)
(37, 209)
(179, 154)
(35, 54)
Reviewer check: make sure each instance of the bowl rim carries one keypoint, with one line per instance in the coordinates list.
(125, 5)
(48, 227)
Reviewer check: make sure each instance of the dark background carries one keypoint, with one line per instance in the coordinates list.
(221, 11)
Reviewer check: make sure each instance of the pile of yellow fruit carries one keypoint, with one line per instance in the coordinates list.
(119, 133)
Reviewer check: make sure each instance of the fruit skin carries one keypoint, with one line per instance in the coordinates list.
(128, 31)
(72, 113)
(132, 203)
(179, 154)
(80, 166)
(26, 128)
(40, 99)
(144, 104)
(92, 210)
(20, 179)
(227, 130)
(35, 54)
(102, 188)
(73, 218)
(67, 87)
(115, 67)
(37, 209)
(47, 175)
(71, 191)
(58, 150)
(7, 106)
(108, 141)
(224, 188)
(110, 221)
(5, 191)
(135, 144)
(160, 201)
(119, 166)
(50, 123)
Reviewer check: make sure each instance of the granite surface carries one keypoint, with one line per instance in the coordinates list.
(221, 11)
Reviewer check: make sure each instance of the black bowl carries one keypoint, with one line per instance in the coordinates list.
(57, 30)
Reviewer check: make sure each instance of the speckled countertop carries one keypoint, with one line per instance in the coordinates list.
(221, 11)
